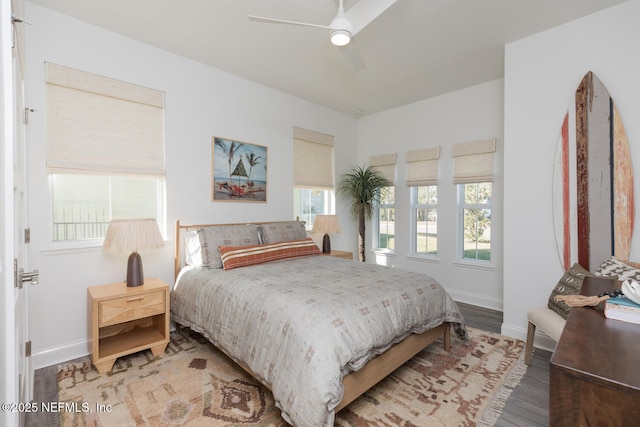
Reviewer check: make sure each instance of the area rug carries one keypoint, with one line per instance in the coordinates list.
(194, 384)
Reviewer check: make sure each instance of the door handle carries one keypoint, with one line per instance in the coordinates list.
(32, 277)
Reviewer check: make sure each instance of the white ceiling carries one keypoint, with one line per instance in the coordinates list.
(414, 50)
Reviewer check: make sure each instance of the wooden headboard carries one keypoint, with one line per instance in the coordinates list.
(182, 228)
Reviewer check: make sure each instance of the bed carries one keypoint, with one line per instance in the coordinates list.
(318, 331)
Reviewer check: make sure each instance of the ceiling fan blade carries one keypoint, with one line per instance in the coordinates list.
(363, 13)
(283, 21)
(352, 53)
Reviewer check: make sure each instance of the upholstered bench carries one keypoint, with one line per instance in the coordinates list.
(550, 322)
(551, 319)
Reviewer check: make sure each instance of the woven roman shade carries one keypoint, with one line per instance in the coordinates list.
(385, 164)
(422, 167)
(312, 159)
(473, 161)
(98, 125)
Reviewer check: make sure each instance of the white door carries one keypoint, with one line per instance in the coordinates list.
(12, 359)
(22, 279)
(7, 359)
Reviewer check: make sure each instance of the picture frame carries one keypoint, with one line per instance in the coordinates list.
(238, 171)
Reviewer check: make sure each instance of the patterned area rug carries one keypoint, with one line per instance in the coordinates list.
(194, 384)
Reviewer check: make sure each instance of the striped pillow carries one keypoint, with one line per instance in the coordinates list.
(241, 256)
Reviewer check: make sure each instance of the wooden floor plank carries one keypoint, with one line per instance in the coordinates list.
(45, 389)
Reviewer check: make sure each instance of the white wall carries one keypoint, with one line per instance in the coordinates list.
(542, 73)
(465, 115)
(200, 102)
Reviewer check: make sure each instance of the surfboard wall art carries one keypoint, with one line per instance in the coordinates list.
(593, 204)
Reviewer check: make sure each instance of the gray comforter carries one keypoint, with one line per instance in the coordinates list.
(302, 324)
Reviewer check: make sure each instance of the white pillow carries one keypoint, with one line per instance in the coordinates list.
(617, 269)
(192, 249)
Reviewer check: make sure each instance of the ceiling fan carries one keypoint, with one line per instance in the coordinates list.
(345, 25)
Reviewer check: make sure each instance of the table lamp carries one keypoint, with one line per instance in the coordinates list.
(326, 224)
(132, 235)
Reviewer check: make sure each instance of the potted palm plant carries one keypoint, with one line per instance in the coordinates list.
(362, 188)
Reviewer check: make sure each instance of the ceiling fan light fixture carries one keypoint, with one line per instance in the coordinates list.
(340, 37)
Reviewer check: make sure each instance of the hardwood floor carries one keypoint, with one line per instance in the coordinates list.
(528, 405)
(45, 389)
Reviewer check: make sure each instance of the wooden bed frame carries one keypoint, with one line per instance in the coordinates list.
(357, 382)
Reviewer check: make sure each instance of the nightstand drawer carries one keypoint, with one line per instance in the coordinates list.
(131, 307)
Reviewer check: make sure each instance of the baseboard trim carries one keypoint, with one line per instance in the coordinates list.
(64, 353)
(60, 354)
(540, 340)
(476, 299)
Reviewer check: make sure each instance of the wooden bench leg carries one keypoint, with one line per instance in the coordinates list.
(531, 332)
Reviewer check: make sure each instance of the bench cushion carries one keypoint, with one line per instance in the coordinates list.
(548, 320)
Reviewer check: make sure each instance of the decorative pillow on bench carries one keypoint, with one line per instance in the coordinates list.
(617, 269)
(241, 256)
(569, 284)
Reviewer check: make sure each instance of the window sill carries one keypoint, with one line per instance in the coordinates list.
(475, 264)
(423, 258)
(385, 252)
(74, 247)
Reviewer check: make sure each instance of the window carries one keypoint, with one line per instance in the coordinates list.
(307, 203)
(313, 173)
(475, 219)
(105, 152)
(424, 219)
(422, 179)
(83, 205)
(387, 220)
(385, 213)
(473, 174)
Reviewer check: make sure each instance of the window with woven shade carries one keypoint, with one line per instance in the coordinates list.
(105, 152)
(474, 161)
(385, 220)
(385, 164)
(313, 175)
(473, 175)
(422, 180)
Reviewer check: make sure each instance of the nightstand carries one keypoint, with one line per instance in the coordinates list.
(126, 320)
(341, 254)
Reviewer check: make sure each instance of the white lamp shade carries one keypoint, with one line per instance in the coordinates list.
(132, 235)
(326, 224)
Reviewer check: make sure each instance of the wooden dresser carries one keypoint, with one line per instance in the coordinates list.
(595, 368)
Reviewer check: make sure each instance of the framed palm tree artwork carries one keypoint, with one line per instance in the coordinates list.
(238, 171)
